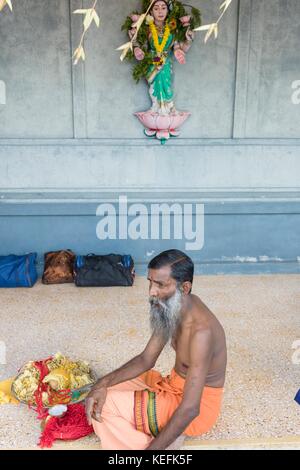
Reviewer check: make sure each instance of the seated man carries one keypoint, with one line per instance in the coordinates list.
(134, 407)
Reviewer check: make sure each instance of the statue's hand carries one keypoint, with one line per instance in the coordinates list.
(190, 35)
(138, 53)
(131, 33)
(180, 56)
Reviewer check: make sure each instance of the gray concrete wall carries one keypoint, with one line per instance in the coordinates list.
(36, 68)
(71, 130)
(231, 233)
(238, 87)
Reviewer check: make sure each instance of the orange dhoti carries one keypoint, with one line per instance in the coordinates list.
(137, 410)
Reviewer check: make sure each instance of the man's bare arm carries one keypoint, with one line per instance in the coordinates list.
(133, 368)
(189, 409)
(136, 366)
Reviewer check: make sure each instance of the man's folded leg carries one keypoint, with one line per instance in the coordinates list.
(118, 431)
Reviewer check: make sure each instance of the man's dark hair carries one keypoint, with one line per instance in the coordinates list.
(182, 267)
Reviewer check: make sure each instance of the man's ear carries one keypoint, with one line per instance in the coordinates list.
(186, 287)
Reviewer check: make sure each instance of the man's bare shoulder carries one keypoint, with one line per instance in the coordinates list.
(202, 317)
(198, 307)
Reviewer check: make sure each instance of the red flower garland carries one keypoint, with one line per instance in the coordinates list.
(73, 425)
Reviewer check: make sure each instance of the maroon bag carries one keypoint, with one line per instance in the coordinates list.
(59, 266)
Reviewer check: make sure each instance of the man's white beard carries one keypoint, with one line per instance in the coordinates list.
(165, 315)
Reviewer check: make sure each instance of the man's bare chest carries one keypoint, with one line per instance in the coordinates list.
(181, 345)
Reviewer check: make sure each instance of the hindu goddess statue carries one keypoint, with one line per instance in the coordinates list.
(167, 32)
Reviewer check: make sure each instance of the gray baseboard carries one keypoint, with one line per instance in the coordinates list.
(245, 232)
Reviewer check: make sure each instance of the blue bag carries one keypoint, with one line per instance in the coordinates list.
(18, 271)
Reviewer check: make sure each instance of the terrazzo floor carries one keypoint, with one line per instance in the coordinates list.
(107, 327)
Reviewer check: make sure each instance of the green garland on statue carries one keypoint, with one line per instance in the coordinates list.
(178, 27)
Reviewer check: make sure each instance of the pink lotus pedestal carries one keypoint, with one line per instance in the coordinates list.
(162, 126)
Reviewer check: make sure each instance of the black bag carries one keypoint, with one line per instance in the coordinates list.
(58, 267)
(104, 271)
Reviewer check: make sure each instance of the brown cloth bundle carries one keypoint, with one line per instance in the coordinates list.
(59, 266)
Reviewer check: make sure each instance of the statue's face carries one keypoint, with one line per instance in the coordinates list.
(160, 11)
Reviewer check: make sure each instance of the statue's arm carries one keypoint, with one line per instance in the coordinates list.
(185, 45)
